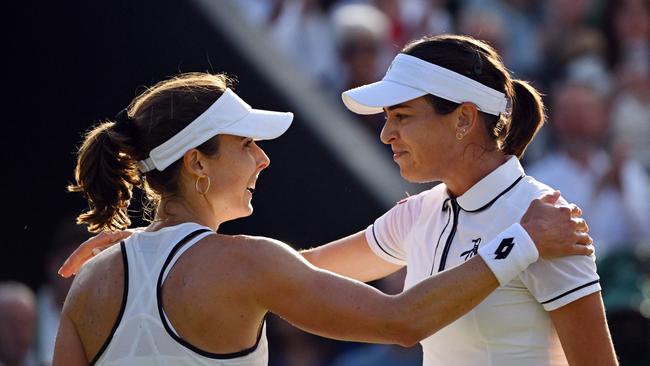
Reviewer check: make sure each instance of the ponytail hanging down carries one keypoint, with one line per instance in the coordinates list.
(106, 174)
(527, 118)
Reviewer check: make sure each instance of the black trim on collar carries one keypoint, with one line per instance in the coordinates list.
(495, 198)
(163, 319)
(435, 251)
(122, 307)
(570, 291)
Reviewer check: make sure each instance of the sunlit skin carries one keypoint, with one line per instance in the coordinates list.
(233, 173)
(426, 149)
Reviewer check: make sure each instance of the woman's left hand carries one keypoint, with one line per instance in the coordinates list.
(91, 248)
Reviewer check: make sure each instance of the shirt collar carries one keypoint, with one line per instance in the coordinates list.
(487, 190)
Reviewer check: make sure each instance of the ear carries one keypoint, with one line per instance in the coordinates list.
(193, 162)
(467, 115)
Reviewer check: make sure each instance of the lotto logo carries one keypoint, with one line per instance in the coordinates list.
(504, 248)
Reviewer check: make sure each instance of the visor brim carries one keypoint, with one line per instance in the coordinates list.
(261, 125)
(373, 98)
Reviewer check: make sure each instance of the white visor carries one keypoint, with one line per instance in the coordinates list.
(227, 115)
(409, 77)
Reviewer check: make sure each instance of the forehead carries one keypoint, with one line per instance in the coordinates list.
(229, 138)
(413, 104)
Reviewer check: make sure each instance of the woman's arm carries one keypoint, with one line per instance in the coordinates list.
(350, 257)
(332, 306)
(582, 328)
(552, 228)
(68, 350)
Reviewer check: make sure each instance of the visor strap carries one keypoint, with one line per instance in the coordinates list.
(146, 165)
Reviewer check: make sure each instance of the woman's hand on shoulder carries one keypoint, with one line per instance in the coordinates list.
(557, 228)
(90, 248)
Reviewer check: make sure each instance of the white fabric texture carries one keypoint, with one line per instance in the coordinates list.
(511, 326)
(140, 338)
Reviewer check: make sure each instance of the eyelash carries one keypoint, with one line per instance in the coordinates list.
(248, 142)
(397, 116)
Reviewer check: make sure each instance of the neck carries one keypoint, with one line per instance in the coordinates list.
(471, 168)
(175, 211)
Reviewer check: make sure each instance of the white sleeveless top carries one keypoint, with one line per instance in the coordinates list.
(142, 334)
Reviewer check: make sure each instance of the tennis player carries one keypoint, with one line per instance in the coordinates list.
(179, 293)
(456, 115)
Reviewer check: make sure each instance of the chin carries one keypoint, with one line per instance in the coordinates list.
(413, 177)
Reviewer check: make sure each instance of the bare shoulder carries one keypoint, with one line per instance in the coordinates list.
(247, 246)
(95, 298)
(98, 278)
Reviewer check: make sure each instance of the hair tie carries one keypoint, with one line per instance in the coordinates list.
(122, 119)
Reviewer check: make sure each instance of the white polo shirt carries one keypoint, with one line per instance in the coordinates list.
(431, 232)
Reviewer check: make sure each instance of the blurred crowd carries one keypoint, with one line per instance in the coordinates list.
(591, 58)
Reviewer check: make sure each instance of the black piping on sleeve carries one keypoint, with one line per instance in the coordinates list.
(570, 292)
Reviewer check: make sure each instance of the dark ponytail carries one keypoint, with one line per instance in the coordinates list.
(105, 174)
(106, 169)
(527, 118)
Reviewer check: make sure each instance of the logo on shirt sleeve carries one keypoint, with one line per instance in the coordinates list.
(504, 248)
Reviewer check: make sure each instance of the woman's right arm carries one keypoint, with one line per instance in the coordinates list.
(552, 229)
(327, 304)
(350, 257)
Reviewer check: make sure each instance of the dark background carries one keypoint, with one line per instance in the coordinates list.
(74, 63)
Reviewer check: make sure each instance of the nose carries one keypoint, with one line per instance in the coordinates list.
(387, 132)
(263, 160)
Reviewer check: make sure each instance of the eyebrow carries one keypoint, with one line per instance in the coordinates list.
(396, 106)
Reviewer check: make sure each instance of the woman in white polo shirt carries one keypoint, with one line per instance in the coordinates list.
(455, 114)
(466, 131)
(180, 293)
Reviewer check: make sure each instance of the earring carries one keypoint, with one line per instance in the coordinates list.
(196, 186)
(459, 136)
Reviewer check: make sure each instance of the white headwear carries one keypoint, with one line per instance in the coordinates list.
(227, 115)
(409, 77)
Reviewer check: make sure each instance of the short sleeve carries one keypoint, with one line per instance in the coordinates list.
(557, 282)
(387, 236)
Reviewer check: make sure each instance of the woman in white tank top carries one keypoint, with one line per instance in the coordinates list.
(178, 292)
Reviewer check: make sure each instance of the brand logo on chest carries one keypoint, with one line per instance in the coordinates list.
(472, 252)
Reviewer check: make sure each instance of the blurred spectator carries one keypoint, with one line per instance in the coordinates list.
(485, 24)
(361, 32)
(52, 293)
(397, 32)
(612, 190)
(628, 34)
(301, 29)
(564, 20)
(627, 28)
(17, 324)
(582, 59)
(511, 26)
(631, 113)
(426, 17)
